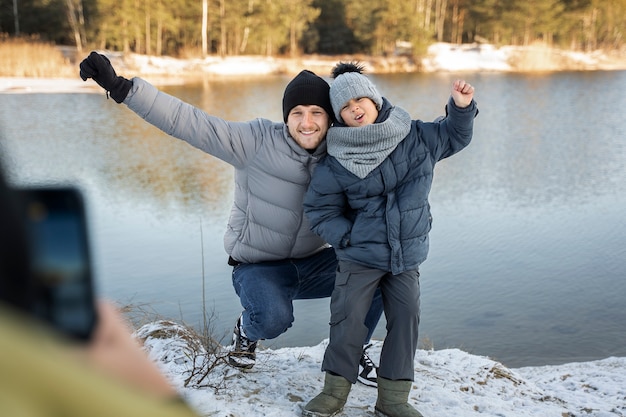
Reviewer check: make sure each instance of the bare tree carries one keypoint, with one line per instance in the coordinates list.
(75, 17)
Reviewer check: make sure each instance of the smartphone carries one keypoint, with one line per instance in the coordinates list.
(56, 222)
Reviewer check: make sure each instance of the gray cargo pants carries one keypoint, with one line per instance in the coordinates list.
(354, 288)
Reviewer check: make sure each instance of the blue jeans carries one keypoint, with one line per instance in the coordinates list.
(267, 290)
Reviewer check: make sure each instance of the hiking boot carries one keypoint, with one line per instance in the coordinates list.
(242, 353)
(368, 371)
(393, 399)
(332, 398)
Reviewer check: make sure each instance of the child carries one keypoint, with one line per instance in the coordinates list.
(369, 199)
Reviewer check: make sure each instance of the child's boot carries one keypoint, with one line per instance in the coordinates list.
(332, 398)
(393, 399)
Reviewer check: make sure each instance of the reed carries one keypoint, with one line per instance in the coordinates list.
(30, 57)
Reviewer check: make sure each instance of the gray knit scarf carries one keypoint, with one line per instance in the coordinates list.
(361, 149)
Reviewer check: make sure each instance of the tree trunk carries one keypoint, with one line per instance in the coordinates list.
(71, 16)
(205, 28)
(16, 19)
(461, 25)
(159, 29)
(125, 39)
(137, 35)
(246, 29)
(159, 37)
(428, 14)
(593, 40)
(440, 18)
(222, 28)
(293, 45)
(81, 21)
(148, 29)
(454, 34)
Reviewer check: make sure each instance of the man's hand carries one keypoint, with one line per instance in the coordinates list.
(99, 68)
(462, 93)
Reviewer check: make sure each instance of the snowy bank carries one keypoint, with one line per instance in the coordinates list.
(441, 57)
(447, 383)
(447, 57)
(533, 58)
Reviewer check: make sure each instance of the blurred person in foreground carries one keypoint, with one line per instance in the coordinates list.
(44, 373)
(275, 256)
(369, 199)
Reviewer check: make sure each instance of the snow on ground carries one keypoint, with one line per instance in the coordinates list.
(236, 65)
(474, 57)
(447, 382)
(25, 85)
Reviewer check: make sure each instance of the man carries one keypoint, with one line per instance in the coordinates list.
(276, 258)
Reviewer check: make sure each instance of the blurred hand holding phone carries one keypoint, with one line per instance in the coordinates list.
(56, 222)
(63, 290)
(45, 271)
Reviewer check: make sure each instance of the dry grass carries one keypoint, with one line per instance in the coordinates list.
(23, 57)
(201, 354)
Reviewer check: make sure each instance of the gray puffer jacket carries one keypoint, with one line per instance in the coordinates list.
(272, 173)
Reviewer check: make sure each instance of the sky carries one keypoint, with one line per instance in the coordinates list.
(448, 382)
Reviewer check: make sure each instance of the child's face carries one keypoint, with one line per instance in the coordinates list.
(359, 112)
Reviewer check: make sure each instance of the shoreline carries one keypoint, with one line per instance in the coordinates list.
(441, 58)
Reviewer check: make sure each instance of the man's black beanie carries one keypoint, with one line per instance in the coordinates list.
(307, 89)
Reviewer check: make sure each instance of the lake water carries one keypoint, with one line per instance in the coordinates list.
(528, 248)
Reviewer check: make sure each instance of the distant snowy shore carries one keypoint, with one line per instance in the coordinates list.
(441, 57)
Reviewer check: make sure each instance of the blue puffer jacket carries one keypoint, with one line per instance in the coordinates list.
(383, 220)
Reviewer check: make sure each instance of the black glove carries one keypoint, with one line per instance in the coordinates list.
(99, 68)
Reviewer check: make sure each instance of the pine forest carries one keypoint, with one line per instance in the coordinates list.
(290, 28)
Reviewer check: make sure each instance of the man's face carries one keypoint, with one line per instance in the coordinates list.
(308, 125)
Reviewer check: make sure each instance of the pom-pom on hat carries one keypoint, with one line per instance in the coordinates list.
(306, 89)
(350, 83)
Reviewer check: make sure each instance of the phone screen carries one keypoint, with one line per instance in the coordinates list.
(61, 266)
